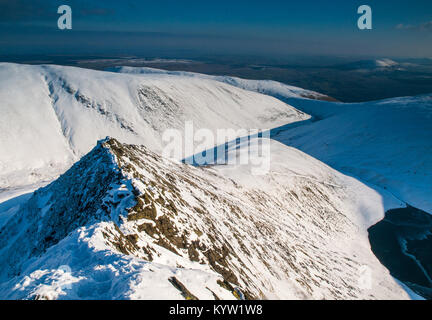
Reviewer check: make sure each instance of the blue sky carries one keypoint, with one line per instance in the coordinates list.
(401, 28)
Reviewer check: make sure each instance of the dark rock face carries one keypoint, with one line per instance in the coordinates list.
(402, 241)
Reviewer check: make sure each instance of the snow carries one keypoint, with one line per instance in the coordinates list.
(385, 143)
(298, 231)
(289, 164)
(299, 224)
(269, 87)
(377, 65)
(82, 267)
(53, 115)
(383, 63)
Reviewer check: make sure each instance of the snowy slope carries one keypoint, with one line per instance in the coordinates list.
(52, 115)
(124, 223)
(269, 87)
(387, 143)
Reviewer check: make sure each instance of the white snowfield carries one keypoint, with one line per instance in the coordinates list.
(53, 115)
(125, 223)
(269, 87)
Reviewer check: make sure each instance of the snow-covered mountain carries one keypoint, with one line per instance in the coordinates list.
(125, 223)
(53, 115)
(387, 143)
(269, 87)
(372, 65)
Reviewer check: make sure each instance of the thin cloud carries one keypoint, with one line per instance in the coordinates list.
(25, 10)
(426, 26)
(96, 12)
